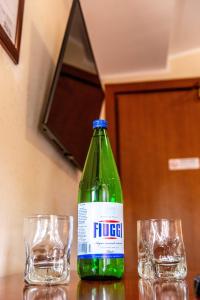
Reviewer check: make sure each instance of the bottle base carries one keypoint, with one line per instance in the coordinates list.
(100, 278)
(101, 269)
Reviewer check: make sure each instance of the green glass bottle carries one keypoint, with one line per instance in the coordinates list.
(100, 212)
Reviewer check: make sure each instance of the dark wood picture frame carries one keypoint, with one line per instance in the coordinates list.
(13, 48)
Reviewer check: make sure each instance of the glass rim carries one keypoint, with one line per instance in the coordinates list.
(158, 220)
(48, 217)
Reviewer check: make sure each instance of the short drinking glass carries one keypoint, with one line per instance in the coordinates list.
(48, 241)
(161, 251)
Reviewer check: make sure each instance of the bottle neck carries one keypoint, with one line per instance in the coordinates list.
(99, 131)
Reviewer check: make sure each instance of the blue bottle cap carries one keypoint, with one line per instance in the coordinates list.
(100, 124)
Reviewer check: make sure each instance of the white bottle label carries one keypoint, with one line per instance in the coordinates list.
(100, 230)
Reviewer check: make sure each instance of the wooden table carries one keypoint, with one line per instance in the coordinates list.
(13, 288)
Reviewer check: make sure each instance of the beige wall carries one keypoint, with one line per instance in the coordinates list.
(33, 176)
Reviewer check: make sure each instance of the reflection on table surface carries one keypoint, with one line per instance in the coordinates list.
(102, 291)
(86, 290)
(163, 290)
(130, 288)
(45, 292)
(89, 290)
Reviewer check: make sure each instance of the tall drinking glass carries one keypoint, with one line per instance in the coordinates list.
(161, 251)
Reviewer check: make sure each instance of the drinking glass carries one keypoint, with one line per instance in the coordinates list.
(161, 251)
(48, 241)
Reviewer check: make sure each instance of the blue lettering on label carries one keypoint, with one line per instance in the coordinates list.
(109, 229)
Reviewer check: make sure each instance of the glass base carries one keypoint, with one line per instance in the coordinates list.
(47, 274)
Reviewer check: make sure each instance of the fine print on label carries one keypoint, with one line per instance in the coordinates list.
(100, 230)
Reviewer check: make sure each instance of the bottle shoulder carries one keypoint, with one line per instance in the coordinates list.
(100, 191)
(107, 184)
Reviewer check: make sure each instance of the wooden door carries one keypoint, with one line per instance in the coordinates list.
(151, 123)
